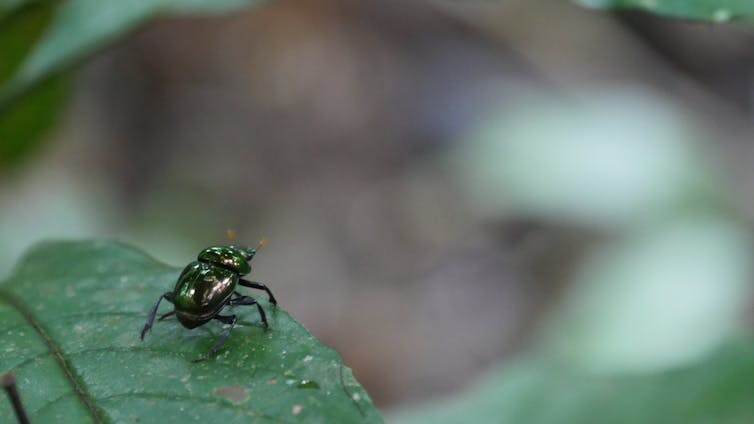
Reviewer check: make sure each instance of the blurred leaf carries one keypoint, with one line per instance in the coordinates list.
(23, 124)
(71, 317)
(9, 6)
(663, 296)
(705, 10)
(81, 27)
(19, 33)
(541, 391)
(602, 160)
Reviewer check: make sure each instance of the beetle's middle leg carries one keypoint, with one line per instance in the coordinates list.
(248, 300)
(150, 320)
(225, 319)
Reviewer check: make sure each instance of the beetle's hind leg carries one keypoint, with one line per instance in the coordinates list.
(260, 286)
(248, 300)
(150, 320)
(229, 319)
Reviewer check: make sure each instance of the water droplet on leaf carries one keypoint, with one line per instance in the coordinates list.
(308, 384)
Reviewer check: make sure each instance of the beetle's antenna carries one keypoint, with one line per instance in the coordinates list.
(262, 243)
(8, 381)
(231, 234)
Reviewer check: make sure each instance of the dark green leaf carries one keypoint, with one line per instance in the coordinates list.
(23, 124)
(9, 6)
(704, 10)
(71, 315)
(81, 27)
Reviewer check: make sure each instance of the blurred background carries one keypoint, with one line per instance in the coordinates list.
(446, 186)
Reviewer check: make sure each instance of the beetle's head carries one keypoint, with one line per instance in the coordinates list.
(249, 252)
(234, 258)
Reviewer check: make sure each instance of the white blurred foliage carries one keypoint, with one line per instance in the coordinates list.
(662, 297)
(46, 207)
(608, 160)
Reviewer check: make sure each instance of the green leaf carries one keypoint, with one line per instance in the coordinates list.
(25, 122)
(24, 125)
(81, 27)
(72, 313)
(9, 6)
(541, 391)
(704, 10)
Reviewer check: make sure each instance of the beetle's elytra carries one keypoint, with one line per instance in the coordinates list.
(207, 285)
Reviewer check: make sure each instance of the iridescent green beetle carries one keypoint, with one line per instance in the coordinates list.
(207, 285)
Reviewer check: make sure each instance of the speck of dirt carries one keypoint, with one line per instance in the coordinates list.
(235, 394)
(296, 409)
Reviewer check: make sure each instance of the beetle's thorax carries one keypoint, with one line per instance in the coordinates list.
(229, 257)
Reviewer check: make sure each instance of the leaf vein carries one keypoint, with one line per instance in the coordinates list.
(57, 354)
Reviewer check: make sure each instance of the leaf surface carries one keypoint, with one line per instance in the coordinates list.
(72, 313)
(704, 10)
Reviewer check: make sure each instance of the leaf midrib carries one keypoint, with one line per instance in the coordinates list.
(75, 381)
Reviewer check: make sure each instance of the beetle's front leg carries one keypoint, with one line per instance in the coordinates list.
(167, 296)
(260, 286)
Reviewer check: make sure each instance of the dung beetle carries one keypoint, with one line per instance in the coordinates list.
(208, 285)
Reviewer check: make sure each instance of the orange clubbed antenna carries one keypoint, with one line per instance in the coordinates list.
(254, 251)
(231, 234)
